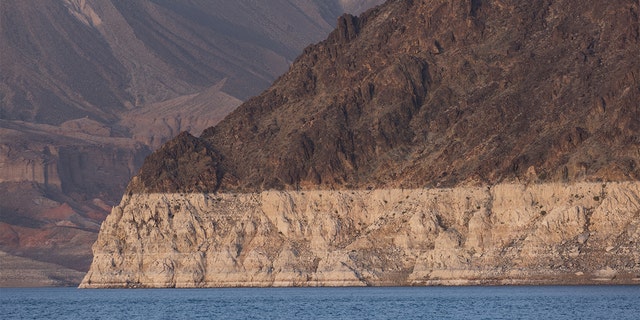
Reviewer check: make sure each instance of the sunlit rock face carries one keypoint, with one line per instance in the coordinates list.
(423, 142)
(505, 234)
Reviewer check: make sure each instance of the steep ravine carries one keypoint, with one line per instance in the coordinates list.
(504, 234)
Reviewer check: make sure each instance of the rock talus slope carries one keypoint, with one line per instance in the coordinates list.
(423, 142)
(507, 234)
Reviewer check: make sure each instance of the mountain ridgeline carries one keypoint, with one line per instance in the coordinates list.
(431, 94)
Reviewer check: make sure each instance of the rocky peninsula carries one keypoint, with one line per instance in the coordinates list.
(422, 143)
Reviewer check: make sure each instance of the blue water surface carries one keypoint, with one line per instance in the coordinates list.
(572, 302)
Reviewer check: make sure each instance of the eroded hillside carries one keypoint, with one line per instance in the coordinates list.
(424, 142)
(88, 88)
(417, 94)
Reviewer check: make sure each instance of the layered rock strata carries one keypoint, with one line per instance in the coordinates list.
(24, 272)
(504, 234)
(526, 112)
(89, 87)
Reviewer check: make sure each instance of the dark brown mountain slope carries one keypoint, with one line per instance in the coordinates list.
(425, 93)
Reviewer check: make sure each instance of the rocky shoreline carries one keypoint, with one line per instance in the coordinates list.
(553, 233)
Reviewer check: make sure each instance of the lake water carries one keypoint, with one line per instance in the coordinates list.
(577, 302)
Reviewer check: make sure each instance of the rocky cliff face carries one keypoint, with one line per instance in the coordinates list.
(505, 234)
(53, 191)
(89, 87)
(424, 142)
(81, 157)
